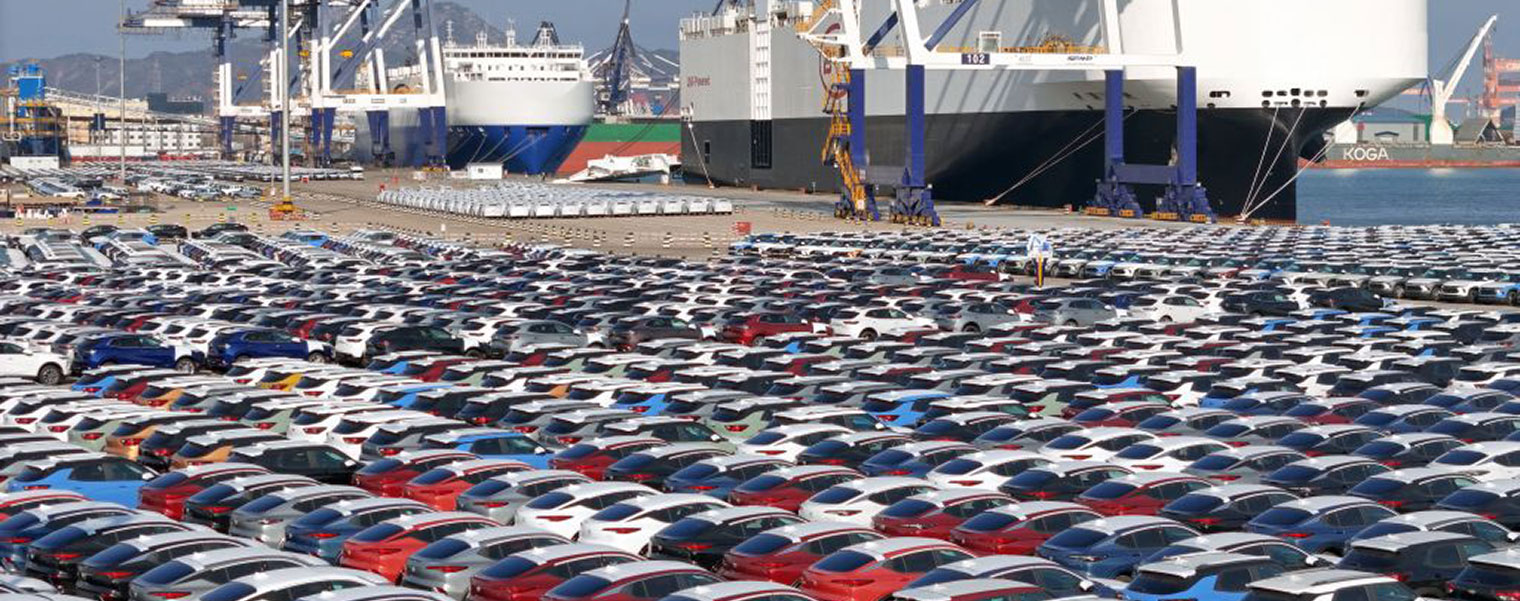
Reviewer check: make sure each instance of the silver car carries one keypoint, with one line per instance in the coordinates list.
(447, 565)
(516, 336)
(499, 497)
(192, 575)
(1073, 311)
(982, 317)
(264, 519)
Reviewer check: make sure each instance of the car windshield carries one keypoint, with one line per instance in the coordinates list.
(447, 547)
(1150, 583)
(762, 544)
(1469, 499)
(232, 591)
(1378, 487)
(550, 500)
(580, 587)
(843, 561)
(1460, 457)
(1295, 473)
(510, 567)
(1111, 489)
(908, 508)
(761, 483)
(166, 574)
(988, 521)
(377, 533)
(1076, 538)
(834, 496)
(1282, 516)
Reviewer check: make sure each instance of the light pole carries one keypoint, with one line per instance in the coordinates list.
(283, 88)
(121, 31)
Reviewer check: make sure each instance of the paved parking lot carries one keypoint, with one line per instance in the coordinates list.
(323, 409)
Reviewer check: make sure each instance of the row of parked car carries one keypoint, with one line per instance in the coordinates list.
(1471, 264)
(754, 428)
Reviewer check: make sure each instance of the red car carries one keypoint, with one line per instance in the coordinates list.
(872, 570)
(384, 548)
(440, 486)
(787, 488)
(1124, 414)
(166, 494)
(781, 554)
(1019, 529)
(17, 502)
(592, 457)
(430, 370)
(748, 330)
(1139, 494)
(639, 581)
(388, 477)
(526, 576)
(935, 514)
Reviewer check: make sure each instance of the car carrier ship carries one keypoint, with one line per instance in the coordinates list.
(526, 107)
(1273, 76)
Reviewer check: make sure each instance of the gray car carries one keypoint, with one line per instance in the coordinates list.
(264, 519)
(499, 497)
(201, 572)
(981, 317)
(377, 593)
(1073, 311)
(107, 574)
(524, 334)
(464, 554)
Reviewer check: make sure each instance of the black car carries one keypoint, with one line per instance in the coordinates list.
(168, 232)
(1329, 475)
(1424, 561)
(1348, 298)
(413, 338)
(1489, 577)
(213, 505)
(105, 575)
(1498, 500)
(1260, 303)
(211, 231)
(1224, 508)
(55, 558)
(1414, 489)
(703, 539)
(1407, 450)
(317, 461)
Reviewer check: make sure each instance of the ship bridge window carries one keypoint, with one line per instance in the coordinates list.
(1219, 94)
(1323, 93)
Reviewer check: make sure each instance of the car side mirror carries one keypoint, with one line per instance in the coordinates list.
(1086, 585)
(1512, 537)
(540, 450)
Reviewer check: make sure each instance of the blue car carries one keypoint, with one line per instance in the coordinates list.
(257, 343)
(96, 476)
(1319, 524)
(914, 459)
(1200, 577)
(902, 408)
(20, 529)
(717, 476)
(98, 380)
(1112, 547)
(651, 399)
(492, 443)
(132, 349)
(406, 395)
(321, 533)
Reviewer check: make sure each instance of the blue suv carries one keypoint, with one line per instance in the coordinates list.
(258, 343)
(133, 349)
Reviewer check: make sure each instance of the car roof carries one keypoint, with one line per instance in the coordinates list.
(1394, 542)
(1187, 566)
(1317, 582)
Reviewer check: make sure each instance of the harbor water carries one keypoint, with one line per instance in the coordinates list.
(1409, 196)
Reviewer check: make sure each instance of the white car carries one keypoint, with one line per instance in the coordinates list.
(564, 510)
(1094, 444)
(45, 367)
(787, 442)
(630, 524)
(872, 322)
(311, 424)
(859, 501)
(351, 342)
(1485, 461)
(986, 469)
(351, 432)
(1168, 453)
(1174, 308)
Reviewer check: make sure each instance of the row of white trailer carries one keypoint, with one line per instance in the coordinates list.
(527, 200)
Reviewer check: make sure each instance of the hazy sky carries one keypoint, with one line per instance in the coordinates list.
(48, 28)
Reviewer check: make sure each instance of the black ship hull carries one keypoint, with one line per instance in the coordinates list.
(1245, 157)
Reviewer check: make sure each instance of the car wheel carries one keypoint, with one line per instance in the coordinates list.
(757, 341)
(868, 334)
(1072, 323)
(972, 328)
(1166, 319)
(50, 375)
(185, 365)
(316, 358)
(474, 353)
